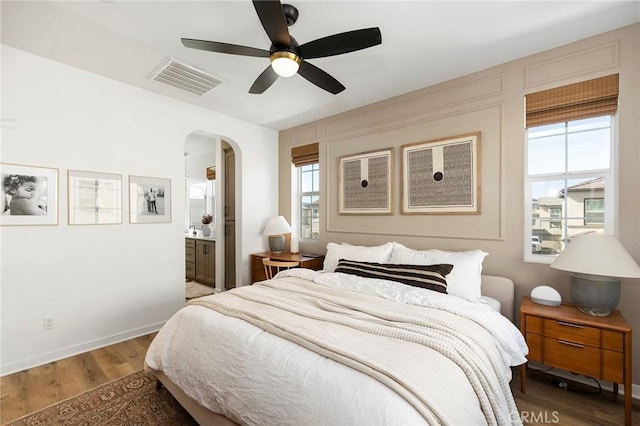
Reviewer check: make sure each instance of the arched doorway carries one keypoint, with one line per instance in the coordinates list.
(211, 163)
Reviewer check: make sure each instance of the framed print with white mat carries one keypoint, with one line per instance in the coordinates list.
(29, 195)
(94, 198)
(442, 176)
(365, 183)
(149, 200)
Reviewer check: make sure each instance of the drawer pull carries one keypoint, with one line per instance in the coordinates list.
(564, 342)
(568, 324)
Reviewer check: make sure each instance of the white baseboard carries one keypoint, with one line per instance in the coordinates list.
(77, 349)
(606, 385)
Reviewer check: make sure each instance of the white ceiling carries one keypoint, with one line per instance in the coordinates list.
(423, 43)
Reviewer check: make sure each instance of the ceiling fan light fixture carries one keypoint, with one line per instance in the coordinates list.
(286, 55)
(285, 63)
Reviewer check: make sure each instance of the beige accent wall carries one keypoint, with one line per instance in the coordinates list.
(492, 102)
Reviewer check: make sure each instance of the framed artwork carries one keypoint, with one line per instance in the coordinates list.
(365, 182)
(442, 176)
(29, 195)
(94, 198)
(149, 200)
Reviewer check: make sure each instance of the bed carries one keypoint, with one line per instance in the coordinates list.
(349, 345)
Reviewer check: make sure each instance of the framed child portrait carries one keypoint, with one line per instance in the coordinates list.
(149, 200)
(29, 195)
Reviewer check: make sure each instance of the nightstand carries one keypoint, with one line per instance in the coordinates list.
(565, 338)
(309, 261)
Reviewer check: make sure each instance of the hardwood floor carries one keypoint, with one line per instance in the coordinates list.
(547, 403)
(36, 388)
(31, 390)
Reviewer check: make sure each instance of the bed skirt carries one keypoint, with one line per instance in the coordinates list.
(199, 413)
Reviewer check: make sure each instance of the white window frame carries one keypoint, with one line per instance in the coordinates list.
(586, 218)
(296, 202)
(610, 197)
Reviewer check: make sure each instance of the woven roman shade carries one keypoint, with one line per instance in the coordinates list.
(211, 173)
(576, 101)
(305, 154)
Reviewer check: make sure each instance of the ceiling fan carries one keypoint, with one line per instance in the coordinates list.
(286, 55)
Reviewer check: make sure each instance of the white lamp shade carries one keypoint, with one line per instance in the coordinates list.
(277, 225)
(597, 254)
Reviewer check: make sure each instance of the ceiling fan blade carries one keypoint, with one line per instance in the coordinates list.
(273, 21)
(234, 49)
(320, 78)
(338, 44)
(264, 81)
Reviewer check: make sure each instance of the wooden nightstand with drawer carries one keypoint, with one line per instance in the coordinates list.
(310, 261)
(565, 338)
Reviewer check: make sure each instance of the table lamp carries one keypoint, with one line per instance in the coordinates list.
(276, 226)
(596, 262)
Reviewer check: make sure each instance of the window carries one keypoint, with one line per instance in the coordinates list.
(568, 181)
(569, 164)
(555, 213)
(309, 201)
(593, 211)
(306, 191)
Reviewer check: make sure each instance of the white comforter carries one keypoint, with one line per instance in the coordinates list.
(254, 377)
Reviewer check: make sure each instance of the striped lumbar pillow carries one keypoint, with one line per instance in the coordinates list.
(431, 277)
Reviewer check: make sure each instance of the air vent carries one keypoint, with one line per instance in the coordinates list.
(184, 77)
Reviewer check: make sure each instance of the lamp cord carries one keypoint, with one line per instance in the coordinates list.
(562, 384)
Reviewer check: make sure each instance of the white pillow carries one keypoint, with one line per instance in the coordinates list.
(463, 281)
(335, 252)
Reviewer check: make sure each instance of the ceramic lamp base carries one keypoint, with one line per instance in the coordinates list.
(276, 243)
(595, 295)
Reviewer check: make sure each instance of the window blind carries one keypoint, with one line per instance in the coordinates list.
(211, 173)
(576, 101)
(305, 154)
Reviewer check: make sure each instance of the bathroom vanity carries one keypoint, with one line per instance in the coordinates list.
(200, 259)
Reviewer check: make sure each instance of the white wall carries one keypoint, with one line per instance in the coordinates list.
(102, 284)
(197, 165)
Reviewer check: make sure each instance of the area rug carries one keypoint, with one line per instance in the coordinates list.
(132, 400)
(194, 289)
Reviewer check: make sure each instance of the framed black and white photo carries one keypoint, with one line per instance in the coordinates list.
(94, 198)
(149, 200)
(442, 176)
(365, 183)
(29, 195)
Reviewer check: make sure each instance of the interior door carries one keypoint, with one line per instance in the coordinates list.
(229, 218)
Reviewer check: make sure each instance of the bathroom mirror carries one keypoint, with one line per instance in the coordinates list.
(201, 201)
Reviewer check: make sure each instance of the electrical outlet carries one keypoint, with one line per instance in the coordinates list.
(48, 323)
